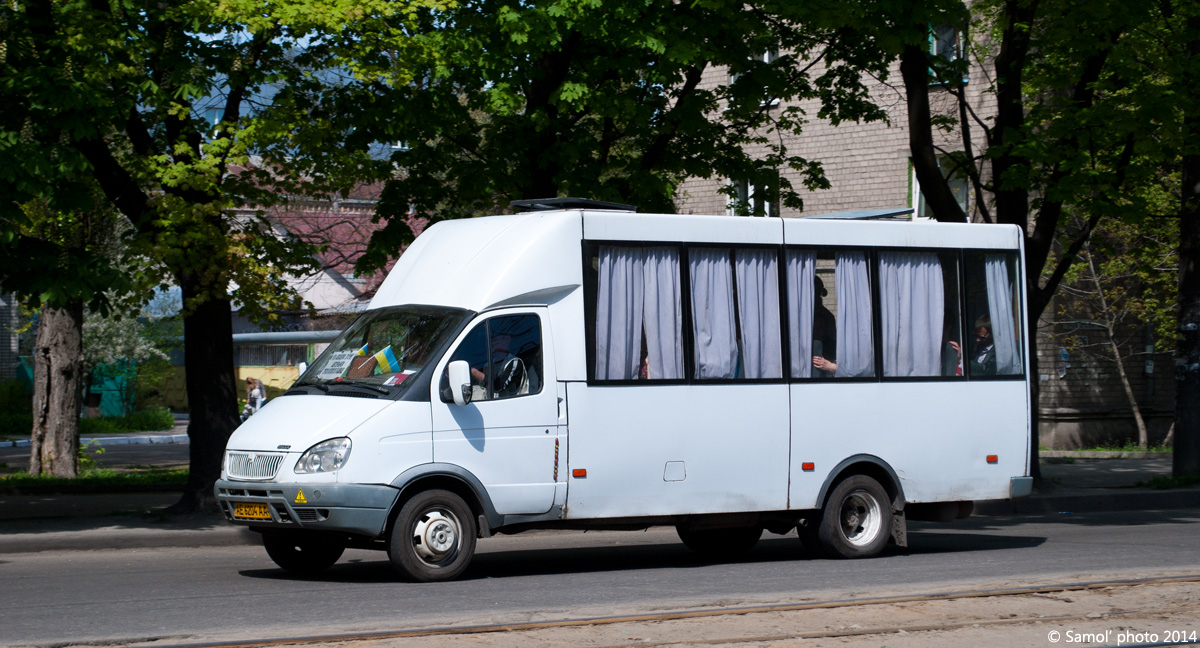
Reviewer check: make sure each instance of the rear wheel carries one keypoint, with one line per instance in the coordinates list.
(433, 538)
(302, 555)
(857, 519)
(717, 543)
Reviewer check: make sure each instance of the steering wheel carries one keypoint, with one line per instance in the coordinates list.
(510, 378)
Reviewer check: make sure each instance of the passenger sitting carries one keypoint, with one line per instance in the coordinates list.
(983, 357)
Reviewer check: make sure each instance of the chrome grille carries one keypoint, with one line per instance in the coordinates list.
(252, 465)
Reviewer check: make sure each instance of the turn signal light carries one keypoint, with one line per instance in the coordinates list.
(993, 459)
(579, 472)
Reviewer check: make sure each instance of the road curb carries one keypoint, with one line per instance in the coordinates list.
(122, 538)
(112, 441)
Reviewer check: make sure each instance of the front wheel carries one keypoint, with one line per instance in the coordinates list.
(433, 538)
(857, 519)
(304, 556)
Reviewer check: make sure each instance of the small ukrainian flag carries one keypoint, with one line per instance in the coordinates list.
(387, 360)
(363, 351)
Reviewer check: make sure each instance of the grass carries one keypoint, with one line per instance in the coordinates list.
(99, 477)
(1167, 483)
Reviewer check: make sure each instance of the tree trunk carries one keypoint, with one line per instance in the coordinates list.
(1187, 396)
(57, 391)
(914, 68)
(211, 390)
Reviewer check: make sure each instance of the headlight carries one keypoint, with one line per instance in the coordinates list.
(326, 456)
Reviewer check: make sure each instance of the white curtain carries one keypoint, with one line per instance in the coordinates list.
(1002, 314)
(801, 272)
(912, 308)
(619, 313)
(663, 288)
(758, 308)
(855, 354)
(712, 313)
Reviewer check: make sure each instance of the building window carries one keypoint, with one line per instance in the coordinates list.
(946, 43)
(748, 198)
(960, 186)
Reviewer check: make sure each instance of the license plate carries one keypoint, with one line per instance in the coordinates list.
(251, 511)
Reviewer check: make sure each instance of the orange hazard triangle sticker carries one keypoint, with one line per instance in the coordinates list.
(300, 497)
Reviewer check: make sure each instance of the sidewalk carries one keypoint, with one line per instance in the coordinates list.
(133, 520)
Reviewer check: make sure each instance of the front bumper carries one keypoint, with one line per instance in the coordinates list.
(360, 509)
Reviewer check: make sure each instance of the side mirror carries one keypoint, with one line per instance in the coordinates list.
(460, 381)
(303, 366)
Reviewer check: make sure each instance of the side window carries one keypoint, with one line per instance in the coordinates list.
(918, 304)
(639, 316)
(993, 346)
(735, 313)
(829, 314)
(505, 356)
(516, 355)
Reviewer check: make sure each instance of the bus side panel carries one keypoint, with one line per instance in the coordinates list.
(677, 449)
(935, 435)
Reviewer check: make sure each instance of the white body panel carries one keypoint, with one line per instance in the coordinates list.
(936, 436)
(670, 449)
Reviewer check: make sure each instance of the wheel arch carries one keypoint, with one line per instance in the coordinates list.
(871, 466)
(449, 477)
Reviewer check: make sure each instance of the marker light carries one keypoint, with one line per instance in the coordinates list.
(808, 466)
(579, 472)
(993, 459)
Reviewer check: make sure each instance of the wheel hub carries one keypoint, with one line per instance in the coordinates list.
(435, 536)
(861, 518)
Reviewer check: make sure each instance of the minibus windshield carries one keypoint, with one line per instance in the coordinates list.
(385, 347)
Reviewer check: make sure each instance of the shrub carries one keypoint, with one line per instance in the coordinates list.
(106, 425)
(157, 418)
(18, 424)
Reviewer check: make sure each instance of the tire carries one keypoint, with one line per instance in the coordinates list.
(433, 538)
(719, 543)
(301, 555)
(857, 519)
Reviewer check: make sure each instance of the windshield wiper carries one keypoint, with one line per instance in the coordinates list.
(374, 388)
(324, 388)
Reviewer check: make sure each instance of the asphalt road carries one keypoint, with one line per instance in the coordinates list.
(116, 456)
(184, 595)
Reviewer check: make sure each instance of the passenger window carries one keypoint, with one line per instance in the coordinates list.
(639, 316)
(918, 304)
(735, 313)
(993, 294)
(829, 314)
(505, 356)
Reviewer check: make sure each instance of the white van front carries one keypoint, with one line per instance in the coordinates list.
(323, 456)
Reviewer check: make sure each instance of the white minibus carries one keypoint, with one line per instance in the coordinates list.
(588, 368)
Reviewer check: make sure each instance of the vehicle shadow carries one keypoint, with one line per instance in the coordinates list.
(576, 560)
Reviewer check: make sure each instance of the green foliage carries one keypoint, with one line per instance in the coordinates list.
(1126, 279)
(501, 100)
(87, 457)
(14, 396)
(1167, 483)
(117, 102)
(16, 423)
(98, 478)
(148, 420)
